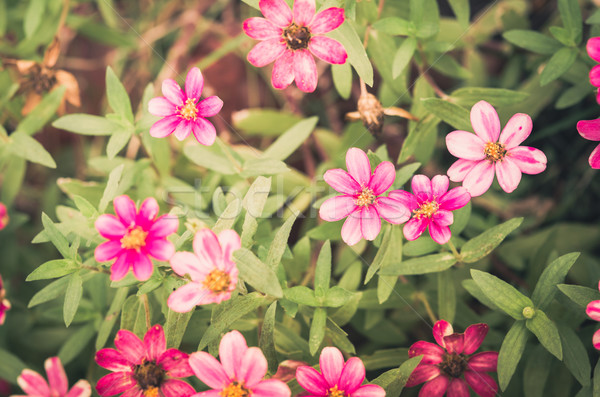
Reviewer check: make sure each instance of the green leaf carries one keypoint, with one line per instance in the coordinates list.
(87, 124)
(562, 35)
(532, 41)
(342, 79)
(446, 296)
(256, 273)
(571, 16)
(537, 370)
(55, 236)
(10, 366)
(267, 337)
(579, 294)
(510, 352)
(386, 284)
(252, 3)
(480, 246)
(357, 56)
(301, 295)
(403, 56)
(468, 96)
(596, 379)
(317, 330)
(425, 14)
(504, 295)
(264, 122)
(112, 187)
(204, 157)
(554, 274)
(257, 167)
(416, 136)
(53, 269)
(42, 113)
(337, 297)
(280, 242)
(393, 381)
(384, 251)
(575, 355)
(175, 327)
(254, 202)
(404, 174)
(76, 343)
(323, 268)
(228, 216)
(118, 99)
(117, 142)
(422, 265)
(558, 65)
(33, 16)
(462, 10)
(473, 289)
(546, 332)
(24, 146)
(394, 26)
(72, 297)
(450, 113)
(111, 317)
(133, 316)
(291, 140)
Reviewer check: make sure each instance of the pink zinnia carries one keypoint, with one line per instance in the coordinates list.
(35, 385)
(593, 311)
(359, 201)
(134, 236)
(489, 152)
(144, 368)
(4, 303)
(240, 372)
(431, 205)
(337, 379)
(182, 112)
(211, 269)
(593, 50)
(590, 129)
(442, 368)
(3, 216)
(289, 38)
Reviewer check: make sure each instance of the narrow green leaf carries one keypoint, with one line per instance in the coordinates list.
(504, 295)
(33, 16)
(533, 41)
(558, 65)
(42, 113)
(425, 14)
(55, 236)
(72, 297)
(76, 343)
(555, 273)
(117, 142)
(546, 332)
(301, 295)
(394, 26)
(393, 381)
(229, 216)
(537, 370)
(473, 289)
(254, 202)
(263, 121)
(323, 268)
(337, 297)
(579, 294)
(24, 146)
(446, 296)
(422, 265)
(280, 242)
(256, 167)
(596, 379)
(291, 140)
(510, 352)
(342, 79)
(267, 337)
(256, 273)
(112, 187)
(480, 246)
(383, 253)
(53, 269)
(404, 174)
(571, 16)
(575, 355)
(468, 96)
(118, 99)
(11, 366)
(111, 317)
(357, 56)
(403, 56)
(87, 124)
(175, 327)
(317, 329)
(462, 10)
(207, 158)
(416, 136)
(450, 113)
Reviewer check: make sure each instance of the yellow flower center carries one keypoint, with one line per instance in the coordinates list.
(335, 392)
(134, 239)
(149, 378)
(217, 281)
(235, 390)
(189, 110)
(426, 210)
(151, 392)
(296, 37)
(4, 220)
(365, 198)
(494, 151)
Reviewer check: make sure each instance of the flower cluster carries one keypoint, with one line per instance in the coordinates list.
(590, 129)
(34, 385)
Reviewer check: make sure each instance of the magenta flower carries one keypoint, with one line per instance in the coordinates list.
(183, 112)
(489, 152)
(359, 201)
(431, 205)
(593, 311)
(144, 368)
(211, 269)
(3, 216)
(590, 129)
(134, 236)
(4, 303)
(289, 38)
(240, 372)
(443, 368)
(593, 50)
(35, 385)
(337, 379)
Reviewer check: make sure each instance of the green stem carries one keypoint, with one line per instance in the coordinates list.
(453, 249)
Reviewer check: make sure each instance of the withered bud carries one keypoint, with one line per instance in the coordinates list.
(286, 370)
(371, 113)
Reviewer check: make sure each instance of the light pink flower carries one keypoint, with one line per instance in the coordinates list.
(489, 152)
(134, 236)
(590, 129)
(337, 379)
(289, 37)
(35, 385)
(431, 205)
(4, 303)
(593, 311)
(183, 112)
(3, 216)
(593, 50)
(359, 201)
(144, 368)
(240, 372)
(211, 268)
(443, 368)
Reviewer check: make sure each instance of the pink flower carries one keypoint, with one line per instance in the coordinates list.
(35, 385)
(143, 368)
(3, 216)
(593, 50)
(489, 152)
(289, 38)
(182, 112)
(442, 368)
(286, 370)
(590, 129)
(240, 372)
(593, 311)
(4, 303)
(431, 204)
(134, 236)
(359, 201)
(337, 379)
(211, 268)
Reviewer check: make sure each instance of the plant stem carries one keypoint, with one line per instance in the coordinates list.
(423, 298)
(453, 249)
(147, 311)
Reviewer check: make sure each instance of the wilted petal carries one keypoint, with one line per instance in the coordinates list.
(231, 352)
(485, 122)
(421, 187)
(529, 160)
(208, 370)
(481, 383)
(423, 373)
(261, 28)
(480, 178)
(277, 11)
(327, 20)
(432, 354)
(483, 362)
(33, 383)
(460, 168)
(441, 329)
(465, 145)
(311, 380)
(329, 50)
(414, 228)
(194, 83)
(474, 336)
(266, 52)
(172, 92)
(370, 223)
(509, 175)
(304, 12)
(516, 130)
(436, 387)
(382, 178)
(331, 363)
(305, 71)
(283, 70)
(341, 181)
(392, 210)
(165, 127)
(351, 233)
(161, 106)
(352, 375)
(439, 233)
(336, 208)
(115, 383)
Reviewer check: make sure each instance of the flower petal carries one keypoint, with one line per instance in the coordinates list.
(593, 310)
(516, 130)
(210, 106)
(253, 367)
(80, 389)
(311, 380)
(405, 198)
(204, 131)
(594, 159)
(327, 20)
(595, 76)
(460, 168)
(183, 129)
(304, 12)
(432, 354)
(529, 160)
(231, 352)
(165, 127)
(142, 265)
(305, 71)
(176, 363)
(480, 178)
(370, 223)
(456, 198)
(208, 370)
(342, 181)
(392, 210)
(108, 250)
(474, 336)
(336, 208)
(266, 52)
(194, 83)
(229, 241)
(163, 226)
(115, 383)
(261, 29)
(440, 234)
(596, 340)
(421, 188)
(484, 362)
(331, 364)
(454, 343)
(351, 233)
(423, 373)
(277, 11)
(414, 228)
(112, 360)
(458, 388)
(382, 178)
(358, 166)
(119, 269)
(33, 383)
(176, 388)
(593, 48)
(465, 145)
(443, 217)
(172, 92)
(187, 263)
(369, 391)
(481, 383)
(161, 106)
(207, 247)
(441, 329)
(186, 297)
(147, 213)
(130, 346)
(485, 121)
(508, 174)
(435, 388)
(327, 49)
(155, 342)
(271, 388)
(283, 71)
(439, 185)
(352, 375)
(125, 209)
(589, 129)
